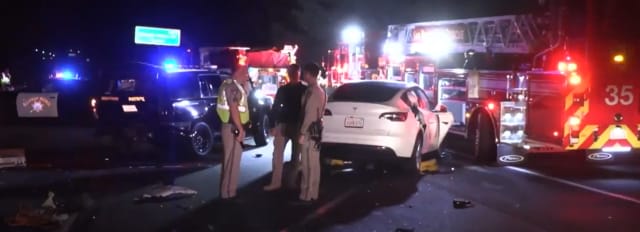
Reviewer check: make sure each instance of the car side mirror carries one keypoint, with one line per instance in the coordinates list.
(440, 108)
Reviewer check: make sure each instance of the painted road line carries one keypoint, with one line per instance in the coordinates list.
(322, 210)
(574, 184)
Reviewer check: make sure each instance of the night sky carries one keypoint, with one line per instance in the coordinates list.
(104, 29)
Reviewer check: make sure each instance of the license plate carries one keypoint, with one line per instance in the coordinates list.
(354, 122)
(129, 108)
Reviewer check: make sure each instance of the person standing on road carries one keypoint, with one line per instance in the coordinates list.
(313, 103)
(232, 108)
(285, 117)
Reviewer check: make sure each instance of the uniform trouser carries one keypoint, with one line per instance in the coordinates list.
(310, 171)
(231, 163)
(287, 133)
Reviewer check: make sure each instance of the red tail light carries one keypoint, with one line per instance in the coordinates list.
(394, 116)
(327, 112)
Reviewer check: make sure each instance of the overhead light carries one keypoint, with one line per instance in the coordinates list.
(619, 58)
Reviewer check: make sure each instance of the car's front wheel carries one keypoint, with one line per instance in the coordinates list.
(201, 140)
(413, 164)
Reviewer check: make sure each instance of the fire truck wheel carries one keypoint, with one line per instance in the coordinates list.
(260, 133)
(483, 143)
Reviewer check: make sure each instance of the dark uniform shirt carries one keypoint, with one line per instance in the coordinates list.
(287, 105)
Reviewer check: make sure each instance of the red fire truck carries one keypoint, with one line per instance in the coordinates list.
(345, 63)
(267, 67)
(551, 82)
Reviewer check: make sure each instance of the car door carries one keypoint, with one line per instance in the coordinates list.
(431, 138)
(209, 84)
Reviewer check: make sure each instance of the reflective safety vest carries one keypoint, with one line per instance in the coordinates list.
(223, 105)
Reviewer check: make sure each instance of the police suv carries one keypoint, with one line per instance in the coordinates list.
(149, 103)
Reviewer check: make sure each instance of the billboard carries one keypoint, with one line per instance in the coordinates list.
(157, 36)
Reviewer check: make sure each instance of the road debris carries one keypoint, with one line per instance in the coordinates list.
(166, 193)
(49, 202)
(257, 156)
(404, 230)
(48, 217)
(461, 203)
(10, 158)
(184, 207)
(429, 166)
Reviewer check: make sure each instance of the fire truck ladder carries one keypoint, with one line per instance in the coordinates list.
(511, 34)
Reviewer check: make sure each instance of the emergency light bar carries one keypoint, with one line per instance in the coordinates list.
(65, 75)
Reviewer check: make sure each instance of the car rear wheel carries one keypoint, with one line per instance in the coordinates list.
(261, 133)
(201, 140)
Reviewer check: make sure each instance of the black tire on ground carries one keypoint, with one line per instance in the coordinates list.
(260, 133)
(483, 140)
(412, 165)
(200, 143)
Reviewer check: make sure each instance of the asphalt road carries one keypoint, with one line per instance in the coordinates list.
(551, 194)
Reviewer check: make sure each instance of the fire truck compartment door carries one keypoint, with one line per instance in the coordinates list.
(445, 121)
(472, 84)
(37, 105)
(457, 109)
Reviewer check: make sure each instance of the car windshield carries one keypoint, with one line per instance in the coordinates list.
(365, 92)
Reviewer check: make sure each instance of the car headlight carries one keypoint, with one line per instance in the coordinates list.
(258, 93)
(260, 96)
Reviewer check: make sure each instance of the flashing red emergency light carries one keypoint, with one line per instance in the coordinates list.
(242, 60)
(564, 66)
(574, 121)
(619, 58)
(491, 106)
(575, 79)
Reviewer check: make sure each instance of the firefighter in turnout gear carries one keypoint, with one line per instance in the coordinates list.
(233, 111)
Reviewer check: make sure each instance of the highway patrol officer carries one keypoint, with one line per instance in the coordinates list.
(233, 111)
(285, 119)
(313, 104)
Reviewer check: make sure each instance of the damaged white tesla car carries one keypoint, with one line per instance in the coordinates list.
(382, 121)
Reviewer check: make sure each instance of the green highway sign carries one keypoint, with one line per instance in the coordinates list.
(157, 36)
